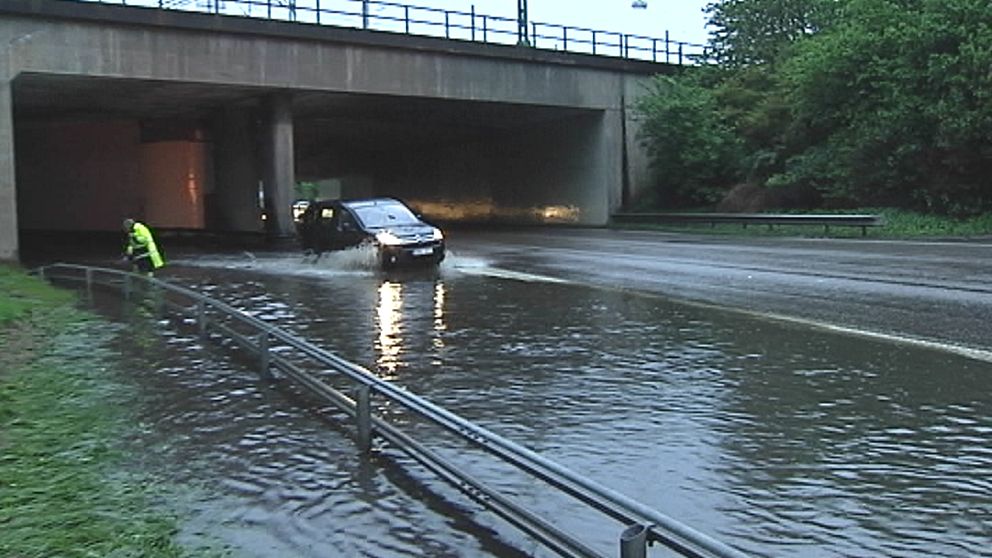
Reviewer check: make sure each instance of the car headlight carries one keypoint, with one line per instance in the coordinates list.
(436, 235)
(387, 238)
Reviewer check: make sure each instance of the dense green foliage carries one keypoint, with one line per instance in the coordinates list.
(867, 102)
(63, 491)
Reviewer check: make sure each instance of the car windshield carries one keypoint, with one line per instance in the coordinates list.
(380, 215)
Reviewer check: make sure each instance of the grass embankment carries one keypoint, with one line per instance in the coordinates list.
(63, 487)
(898, 225)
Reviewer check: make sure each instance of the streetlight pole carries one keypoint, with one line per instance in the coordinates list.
(522, 23)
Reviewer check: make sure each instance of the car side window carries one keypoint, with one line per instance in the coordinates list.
(347, 222)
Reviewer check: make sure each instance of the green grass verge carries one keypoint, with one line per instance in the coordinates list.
(899, 224)
(64, 485)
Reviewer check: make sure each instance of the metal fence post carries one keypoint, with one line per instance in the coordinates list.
(363, 416)
(634, 541)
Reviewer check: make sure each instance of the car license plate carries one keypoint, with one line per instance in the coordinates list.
(423, 251)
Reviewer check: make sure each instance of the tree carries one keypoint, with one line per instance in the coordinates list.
(747, 32)
(893, 106)
(694, 153)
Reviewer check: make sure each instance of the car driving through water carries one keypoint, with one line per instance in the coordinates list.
(400, 235)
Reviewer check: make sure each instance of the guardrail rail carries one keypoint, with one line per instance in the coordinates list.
(468, 25)
(745, 219)
(277, 352)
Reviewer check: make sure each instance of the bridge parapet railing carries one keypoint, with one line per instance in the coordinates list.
(468, 25)
(373, 404)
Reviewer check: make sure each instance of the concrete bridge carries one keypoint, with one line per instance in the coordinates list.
(204, 121)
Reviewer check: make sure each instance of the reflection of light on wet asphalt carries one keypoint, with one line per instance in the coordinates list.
(389, 314)
(477, 266)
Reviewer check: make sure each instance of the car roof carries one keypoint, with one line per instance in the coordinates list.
(371, 202)
(357, 202)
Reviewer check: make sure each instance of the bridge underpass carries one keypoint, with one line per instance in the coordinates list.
(114, 120)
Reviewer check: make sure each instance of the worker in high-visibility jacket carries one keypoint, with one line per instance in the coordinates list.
(141, 248)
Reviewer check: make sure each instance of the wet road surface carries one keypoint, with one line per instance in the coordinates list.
(932, 292)
(775, 437)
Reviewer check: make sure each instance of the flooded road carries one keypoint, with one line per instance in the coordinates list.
(775, 437)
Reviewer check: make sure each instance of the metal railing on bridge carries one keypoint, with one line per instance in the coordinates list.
(451, 24)
(315, 369)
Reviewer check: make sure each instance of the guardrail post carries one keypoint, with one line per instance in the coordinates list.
(201, 317)
(363, 416)
(264, 359)
(89, 283)
(634, 541)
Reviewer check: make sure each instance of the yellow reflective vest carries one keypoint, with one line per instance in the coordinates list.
(140, 242)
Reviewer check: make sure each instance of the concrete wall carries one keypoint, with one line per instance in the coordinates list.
(89, 175)
(8, 184)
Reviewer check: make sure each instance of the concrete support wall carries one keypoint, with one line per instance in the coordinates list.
(174, 175)
(639, 177)
(8, 187)
(64, 167)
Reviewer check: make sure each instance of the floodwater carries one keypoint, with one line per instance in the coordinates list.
(773, 438)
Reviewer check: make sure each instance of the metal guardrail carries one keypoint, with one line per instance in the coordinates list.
(271, 347)
(745, 219)
(451, 24)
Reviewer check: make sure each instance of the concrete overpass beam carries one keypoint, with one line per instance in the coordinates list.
(280, 176)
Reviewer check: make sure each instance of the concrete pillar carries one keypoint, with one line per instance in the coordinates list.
(280, 176)
(9, 246)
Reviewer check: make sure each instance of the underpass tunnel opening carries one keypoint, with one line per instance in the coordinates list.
(193, 157)
(456, 161)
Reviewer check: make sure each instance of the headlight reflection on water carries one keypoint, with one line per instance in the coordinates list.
(389, 313)
(393, 320)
